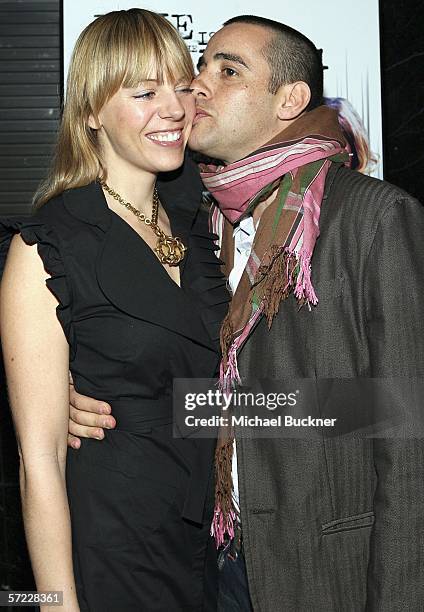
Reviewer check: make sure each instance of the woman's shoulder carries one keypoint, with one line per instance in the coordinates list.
(73, 207)
(37, 228)
(67, 217)
(59, 224)
(50, 212)
(50, 219)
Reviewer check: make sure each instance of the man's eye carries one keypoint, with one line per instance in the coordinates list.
(229, 72)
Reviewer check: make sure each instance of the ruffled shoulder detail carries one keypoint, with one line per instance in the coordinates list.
(8, 228)
(35, 231)
(207, 280)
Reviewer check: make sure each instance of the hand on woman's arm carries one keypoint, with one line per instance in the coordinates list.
(36, 359)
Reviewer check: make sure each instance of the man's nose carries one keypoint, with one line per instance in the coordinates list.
(200, 87)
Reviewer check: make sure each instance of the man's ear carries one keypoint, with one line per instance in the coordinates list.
(294, 99)
(94, 122)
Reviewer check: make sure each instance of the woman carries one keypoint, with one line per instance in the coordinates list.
(112, 279)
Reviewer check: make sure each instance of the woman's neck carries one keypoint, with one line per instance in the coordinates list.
(133, 187)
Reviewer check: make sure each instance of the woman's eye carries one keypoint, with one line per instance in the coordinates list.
(184, 90)
(148, 95)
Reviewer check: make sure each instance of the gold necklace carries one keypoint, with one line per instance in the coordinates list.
(169, 250)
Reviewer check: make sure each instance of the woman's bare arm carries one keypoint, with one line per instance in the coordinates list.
(36, 358)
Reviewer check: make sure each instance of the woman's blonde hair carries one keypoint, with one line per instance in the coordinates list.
(121, 48)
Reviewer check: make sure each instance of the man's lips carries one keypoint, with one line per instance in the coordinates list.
(200, 114)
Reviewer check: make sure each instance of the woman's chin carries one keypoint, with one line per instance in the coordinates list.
(170, 165)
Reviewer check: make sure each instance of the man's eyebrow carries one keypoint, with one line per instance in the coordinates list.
(230, 57)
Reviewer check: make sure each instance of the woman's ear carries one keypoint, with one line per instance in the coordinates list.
(294, 99)
(94, 123)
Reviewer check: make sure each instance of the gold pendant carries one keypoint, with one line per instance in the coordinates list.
(170, 250)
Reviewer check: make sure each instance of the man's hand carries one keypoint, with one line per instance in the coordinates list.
(87, 418)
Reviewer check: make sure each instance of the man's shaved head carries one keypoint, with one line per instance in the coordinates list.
(291, 57)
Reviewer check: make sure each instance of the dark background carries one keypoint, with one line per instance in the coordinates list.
(30, 93)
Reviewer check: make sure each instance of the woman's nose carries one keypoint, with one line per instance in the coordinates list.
(172, 108)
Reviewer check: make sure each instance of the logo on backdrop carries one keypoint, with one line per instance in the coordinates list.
(196, 38)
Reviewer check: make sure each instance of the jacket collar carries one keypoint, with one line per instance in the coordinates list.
(88, 204)
(180, 193)
(127, 270)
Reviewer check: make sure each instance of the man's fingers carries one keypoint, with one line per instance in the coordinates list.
(87, 404)
(73, 442)
(83, 431)
(90, 419)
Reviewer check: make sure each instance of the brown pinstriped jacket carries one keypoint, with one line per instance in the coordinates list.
(337, 525)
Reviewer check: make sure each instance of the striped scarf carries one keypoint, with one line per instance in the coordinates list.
(292, 168)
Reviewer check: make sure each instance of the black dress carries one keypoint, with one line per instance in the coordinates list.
(141, 501)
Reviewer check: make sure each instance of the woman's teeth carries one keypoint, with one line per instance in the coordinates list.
(166, 136)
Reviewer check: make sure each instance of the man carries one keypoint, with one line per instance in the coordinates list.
(328, 285)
